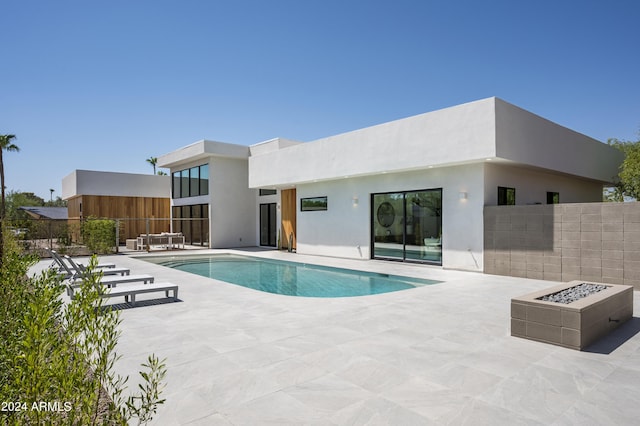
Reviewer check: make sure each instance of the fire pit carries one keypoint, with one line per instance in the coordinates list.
(572, 315)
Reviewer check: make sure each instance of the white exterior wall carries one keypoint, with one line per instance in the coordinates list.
(344, 230)
(454, 135)
(232, 205)
(447, 149)
(532, 185)
(526, 138)
(90, 182)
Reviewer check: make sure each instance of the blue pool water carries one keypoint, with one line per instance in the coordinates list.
(290, 278)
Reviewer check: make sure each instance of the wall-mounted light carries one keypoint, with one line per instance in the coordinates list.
(355, 200)
(462, 195)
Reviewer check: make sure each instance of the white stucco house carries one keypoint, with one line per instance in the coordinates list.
(408, 190)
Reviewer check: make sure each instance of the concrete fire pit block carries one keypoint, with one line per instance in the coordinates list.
(573, 325)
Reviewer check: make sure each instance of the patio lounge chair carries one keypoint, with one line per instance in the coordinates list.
(132, 290)
(112, 281)
(78, 268)
(60, 266)
(101, 265)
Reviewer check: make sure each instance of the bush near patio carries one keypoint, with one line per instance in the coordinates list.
(99, 235)
(56, 360)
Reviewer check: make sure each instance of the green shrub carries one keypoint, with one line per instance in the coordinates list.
(99, 235)
(57, 360)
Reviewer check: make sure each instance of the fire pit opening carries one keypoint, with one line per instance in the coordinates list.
(574, 293)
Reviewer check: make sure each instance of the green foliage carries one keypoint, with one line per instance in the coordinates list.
(153, 161)
(13, 302)
(16, 199)
(61, 357)
(58, 202)
(99, 235)
(629, 184)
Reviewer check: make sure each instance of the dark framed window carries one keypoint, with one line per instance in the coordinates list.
(184, 183)
(204, 179)
(506, 196)
(194, 181)
(553, 198)
(407, 226)
(264, 192)
(268, 225)
(190, 182)
(175, 186)
(313, 204)
(193, 222)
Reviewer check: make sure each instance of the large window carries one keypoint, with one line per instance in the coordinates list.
(407, 226)
(191, 182)
(506, 196)
(193, 222)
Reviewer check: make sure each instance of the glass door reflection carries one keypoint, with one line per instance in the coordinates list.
(407, 226)
(388, 225)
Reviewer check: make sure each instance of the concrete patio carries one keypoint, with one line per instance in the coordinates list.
(439, 354)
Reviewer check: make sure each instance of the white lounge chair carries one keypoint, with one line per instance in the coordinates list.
(57, 260)
(79, 269)
(66, 271)
(130, 291)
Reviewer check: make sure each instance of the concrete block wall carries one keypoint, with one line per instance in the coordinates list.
(564, 242)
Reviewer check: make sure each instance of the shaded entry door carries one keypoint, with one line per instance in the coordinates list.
(268, 224)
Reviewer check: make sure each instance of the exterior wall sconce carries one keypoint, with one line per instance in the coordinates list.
(462, 195)
(355, 200)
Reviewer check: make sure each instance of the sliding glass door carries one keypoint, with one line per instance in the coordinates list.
(407, 226)
(268, 225)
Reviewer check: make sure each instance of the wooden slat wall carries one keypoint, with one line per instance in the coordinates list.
(288, 213)
(73, 207)
(131, 208)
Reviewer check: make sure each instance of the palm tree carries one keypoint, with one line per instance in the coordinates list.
(6, 144)
(153, 161)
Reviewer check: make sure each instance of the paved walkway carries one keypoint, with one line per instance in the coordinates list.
(439, 354)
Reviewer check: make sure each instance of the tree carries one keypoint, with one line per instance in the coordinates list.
(629, 176)
(153, 161)
(17, 199)
(6, 144)
(58, 202)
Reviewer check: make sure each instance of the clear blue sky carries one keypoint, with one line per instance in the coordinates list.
(103, 85)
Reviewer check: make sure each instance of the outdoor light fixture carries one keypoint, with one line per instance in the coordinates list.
(355, 200)
(462, 195)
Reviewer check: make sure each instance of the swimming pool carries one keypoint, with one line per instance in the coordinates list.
(289, 278)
